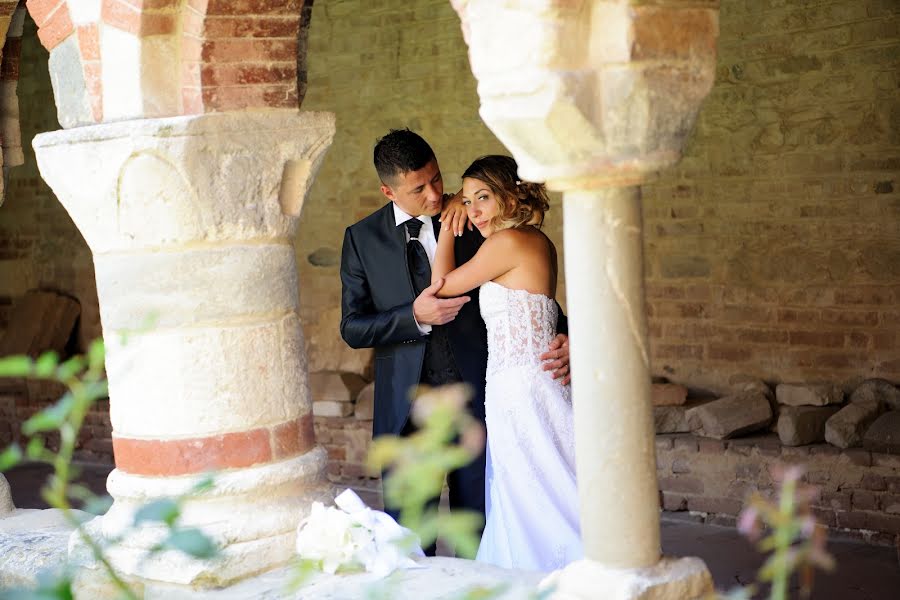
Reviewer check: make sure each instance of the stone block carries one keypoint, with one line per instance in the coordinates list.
(730, 416)
(225, 379)
(668, 394)
(748, 383)
(673, 419)
(6, 501)
(802, 425)
(670, 419)
(877, 391)
(334, 386)
(69, 85)
(32, 541)
(819, 394)
(845, 428)
(884, 434)
(684, 485)
(365, 403)
(330, 408)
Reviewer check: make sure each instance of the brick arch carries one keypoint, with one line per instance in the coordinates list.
(245, 54)
(157, 58)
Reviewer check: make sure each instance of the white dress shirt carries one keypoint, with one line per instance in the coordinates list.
(427, 239)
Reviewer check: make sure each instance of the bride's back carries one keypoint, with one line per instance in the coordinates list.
(535, 257)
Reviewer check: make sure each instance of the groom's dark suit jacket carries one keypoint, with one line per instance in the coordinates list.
(376, 312)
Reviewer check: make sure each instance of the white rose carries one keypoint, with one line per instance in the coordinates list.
(329, 535)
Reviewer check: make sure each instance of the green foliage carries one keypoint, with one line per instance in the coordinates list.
(786, 529)
(192, 542)
(165, 510)
(51, 585)
(15, 366)
(447, 438)
(10, 457)
(84, 379)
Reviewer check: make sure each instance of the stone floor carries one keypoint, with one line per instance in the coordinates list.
(864, 572)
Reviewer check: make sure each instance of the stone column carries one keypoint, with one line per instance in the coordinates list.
(616, 463)
(191, 223)
(597, 97)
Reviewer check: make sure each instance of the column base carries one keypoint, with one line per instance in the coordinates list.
(252, 515)
(669, 579)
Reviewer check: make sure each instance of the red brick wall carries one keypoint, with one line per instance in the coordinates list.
(773, 248)
(19, 402)
(347, 442)
(857, 489)
(249, 54)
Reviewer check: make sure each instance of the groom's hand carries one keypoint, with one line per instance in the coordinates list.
(556, 359)
(428, 309)
(454, 215)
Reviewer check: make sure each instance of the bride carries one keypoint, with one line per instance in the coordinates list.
(531, 498)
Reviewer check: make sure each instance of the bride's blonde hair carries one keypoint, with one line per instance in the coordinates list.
(521, 202)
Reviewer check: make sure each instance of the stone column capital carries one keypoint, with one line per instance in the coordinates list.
(590, 94)
(159, 183)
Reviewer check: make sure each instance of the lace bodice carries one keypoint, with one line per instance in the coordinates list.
(520, 325)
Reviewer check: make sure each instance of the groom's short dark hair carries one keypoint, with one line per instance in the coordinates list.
(401, 151)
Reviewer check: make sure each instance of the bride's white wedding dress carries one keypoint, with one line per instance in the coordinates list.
(531, 499)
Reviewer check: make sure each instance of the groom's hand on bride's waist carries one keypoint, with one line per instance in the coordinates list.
(556, 359)
(428, 309)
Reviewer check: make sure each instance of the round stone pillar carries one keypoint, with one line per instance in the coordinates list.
(616, 464)
(191, 223)
(598, 96)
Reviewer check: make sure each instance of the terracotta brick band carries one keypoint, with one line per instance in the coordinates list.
(216, 452)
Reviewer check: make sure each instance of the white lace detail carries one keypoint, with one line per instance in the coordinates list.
(520, 325)
(532, 501)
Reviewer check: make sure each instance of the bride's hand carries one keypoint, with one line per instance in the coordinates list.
(454, 216)
(556, 359)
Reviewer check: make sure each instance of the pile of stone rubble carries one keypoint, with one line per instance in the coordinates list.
(869, 416)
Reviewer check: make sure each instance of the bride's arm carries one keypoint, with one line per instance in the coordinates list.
(493, 259)
(444, 259)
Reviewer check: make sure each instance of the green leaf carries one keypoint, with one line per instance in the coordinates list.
(45, 365)
(15, 366)
(193, 542)
(98, 505)
(10, 457)
(204, 485)
(50, 418)
(301, 572)
(70, 368)
(35, 448)
(165, 510)
(97, 389)
(485, 593)
(96, 354)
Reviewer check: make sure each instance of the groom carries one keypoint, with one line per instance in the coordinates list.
(388, 302)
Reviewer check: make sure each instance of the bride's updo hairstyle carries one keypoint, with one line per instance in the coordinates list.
(521, 202)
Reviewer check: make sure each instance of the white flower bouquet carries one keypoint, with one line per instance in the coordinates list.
(353, 537)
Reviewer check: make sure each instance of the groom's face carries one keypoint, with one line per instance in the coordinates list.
(417, 192)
